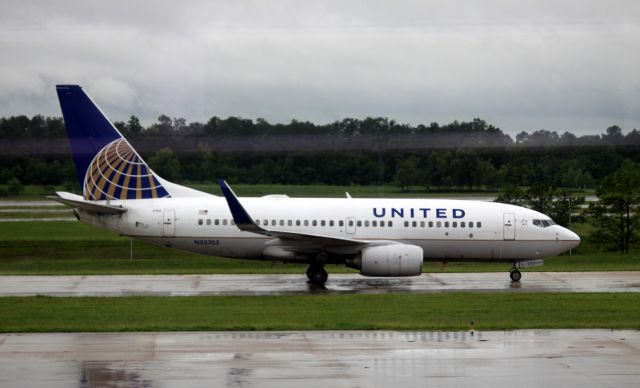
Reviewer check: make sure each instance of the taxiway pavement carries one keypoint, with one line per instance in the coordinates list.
(191, 285)
(551, 358)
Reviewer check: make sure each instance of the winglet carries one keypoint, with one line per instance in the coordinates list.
(240, 216)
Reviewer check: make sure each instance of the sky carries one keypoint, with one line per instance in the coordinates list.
(520, 65)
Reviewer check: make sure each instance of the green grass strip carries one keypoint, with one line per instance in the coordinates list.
(450, 311)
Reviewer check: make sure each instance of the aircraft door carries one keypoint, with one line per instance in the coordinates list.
(509, 228)
(168, 223)
(350, 225)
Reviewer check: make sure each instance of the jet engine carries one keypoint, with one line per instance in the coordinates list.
(388, 260)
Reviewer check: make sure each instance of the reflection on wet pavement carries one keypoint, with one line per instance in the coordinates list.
(585, 358)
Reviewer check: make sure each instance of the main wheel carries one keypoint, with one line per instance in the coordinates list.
(515, 275)
(317, 275)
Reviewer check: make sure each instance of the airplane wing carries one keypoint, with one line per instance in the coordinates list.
(77, 201)
(245, 223)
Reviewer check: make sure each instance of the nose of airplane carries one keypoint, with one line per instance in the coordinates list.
(572, 239)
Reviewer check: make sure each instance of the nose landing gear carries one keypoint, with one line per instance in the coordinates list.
(515, 274)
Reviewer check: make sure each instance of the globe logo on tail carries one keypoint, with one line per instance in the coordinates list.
(117, 172)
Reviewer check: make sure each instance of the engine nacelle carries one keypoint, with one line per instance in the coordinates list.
(389, 260)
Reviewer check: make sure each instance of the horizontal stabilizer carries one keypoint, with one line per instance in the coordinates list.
(77, 201)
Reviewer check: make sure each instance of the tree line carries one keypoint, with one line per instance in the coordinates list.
(481, 132)
(489, 160)
(614, 217)
(542, 170)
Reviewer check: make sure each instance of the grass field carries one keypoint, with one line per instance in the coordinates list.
(451, 311)
(56, 248)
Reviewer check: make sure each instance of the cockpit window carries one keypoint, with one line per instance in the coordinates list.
(544, 223)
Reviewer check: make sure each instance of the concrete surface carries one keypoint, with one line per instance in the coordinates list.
(557, 358)
(169, 285)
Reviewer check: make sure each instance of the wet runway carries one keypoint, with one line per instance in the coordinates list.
(557, 358)
(183, 285)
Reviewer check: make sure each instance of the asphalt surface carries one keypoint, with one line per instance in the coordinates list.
(182, 285)
(555, 358)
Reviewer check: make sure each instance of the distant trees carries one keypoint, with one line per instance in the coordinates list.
(616, 215)
(17, 127)
(559, 204)
(165, 164)
(407, 173)
(470, 155)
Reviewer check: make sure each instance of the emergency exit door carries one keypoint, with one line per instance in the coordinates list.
(509, 228)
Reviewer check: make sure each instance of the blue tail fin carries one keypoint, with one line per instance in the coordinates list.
(106, 165)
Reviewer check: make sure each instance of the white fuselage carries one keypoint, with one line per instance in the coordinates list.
(448, 230)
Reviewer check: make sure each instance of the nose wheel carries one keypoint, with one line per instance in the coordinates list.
(317, 274)
(515, 275)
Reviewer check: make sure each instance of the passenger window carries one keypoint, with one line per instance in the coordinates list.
(438, 224)
(454, 224)
(446, 224)
(224, 222)
(422, 224)
(366, 223)
(406, 224)
(200, 221)
(381, 223)
(478, 224)
(471, 224)
(359, 224)
(314, 223)
(431, 224)
(208, 221)
(340, 223)
(350, 222)
(462, 224)
(414, 224)
(331, 223)
(289, 222)
(273, 222)
(322, 223)
(390, 224)
(232, 222)
(306, 222)
(216, 222)
(297, 222)
(374, 223)
(281, 222)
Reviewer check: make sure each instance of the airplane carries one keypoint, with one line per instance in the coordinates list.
(380, 237)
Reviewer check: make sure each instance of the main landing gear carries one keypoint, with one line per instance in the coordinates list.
(515, 274)
(317, 274)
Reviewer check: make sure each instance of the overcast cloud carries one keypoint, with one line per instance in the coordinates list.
(557, 65)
